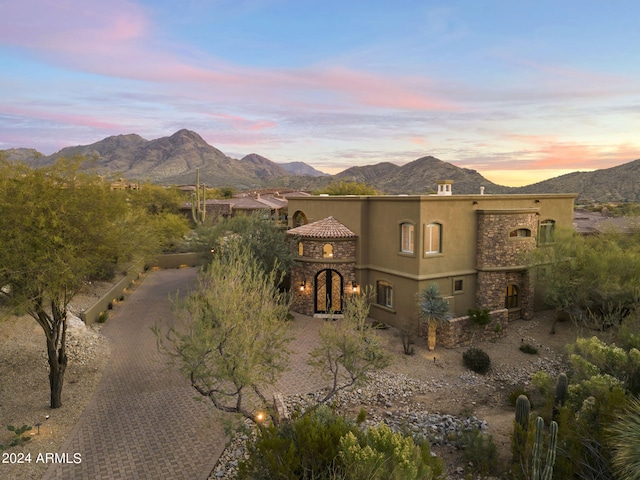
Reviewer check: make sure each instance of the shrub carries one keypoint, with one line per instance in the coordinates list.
(528, 348)
(103, 317)
(477, 360)
(515, 393)
(322, 445)
(479, 451)
(479, 316)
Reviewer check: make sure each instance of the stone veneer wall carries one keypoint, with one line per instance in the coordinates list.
(499, 257)
(312, 261)
(461, 332)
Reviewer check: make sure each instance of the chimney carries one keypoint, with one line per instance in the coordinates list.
(444, 187)
(481, 190)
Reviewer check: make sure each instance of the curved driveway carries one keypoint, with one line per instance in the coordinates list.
(143, 421)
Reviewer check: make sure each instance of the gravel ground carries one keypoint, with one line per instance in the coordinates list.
(24, 383)
(429, 394)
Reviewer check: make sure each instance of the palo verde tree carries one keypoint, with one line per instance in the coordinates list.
(232, 340)
(267, 242)
(349, 348)
(345, 187)
(594, 279)
(59, 228)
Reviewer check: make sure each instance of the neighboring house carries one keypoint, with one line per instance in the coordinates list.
(471, 246)
(586, 222)
(246, 204)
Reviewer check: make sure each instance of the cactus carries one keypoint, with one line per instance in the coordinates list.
(523, 407)
(537, 472)
(198, 201)
(562, 387)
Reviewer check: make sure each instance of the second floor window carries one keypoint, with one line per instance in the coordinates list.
(406, 238)
(545, 235)
(432, 238)
(520, 233)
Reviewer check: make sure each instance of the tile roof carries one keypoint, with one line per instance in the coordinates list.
(326, 228)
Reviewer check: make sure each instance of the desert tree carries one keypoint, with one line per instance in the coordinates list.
(349, 348)
(231, 339)
(434, 310)
(59, 229)
(267, 241)
(345, 187)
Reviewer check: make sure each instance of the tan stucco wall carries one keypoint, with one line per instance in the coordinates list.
(376, 221)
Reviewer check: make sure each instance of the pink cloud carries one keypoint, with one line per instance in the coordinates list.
(547, 152)
(242, 123)
(118, 39)
(61, 117)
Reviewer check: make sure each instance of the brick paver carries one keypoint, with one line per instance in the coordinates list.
(143, 421)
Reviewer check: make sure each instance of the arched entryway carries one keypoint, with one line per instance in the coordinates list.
(328, 294)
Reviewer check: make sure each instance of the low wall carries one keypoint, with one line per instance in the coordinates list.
(462, 332)
(177, 260)
(91, 314)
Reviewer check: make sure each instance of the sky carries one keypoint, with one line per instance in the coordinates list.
(518, 90)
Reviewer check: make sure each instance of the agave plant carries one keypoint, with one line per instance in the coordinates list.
(434, 310)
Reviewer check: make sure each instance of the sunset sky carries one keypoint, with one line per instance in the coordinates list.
(518, 90)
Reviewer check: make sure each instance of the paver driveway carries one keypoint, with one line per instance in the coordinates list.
(143, 421)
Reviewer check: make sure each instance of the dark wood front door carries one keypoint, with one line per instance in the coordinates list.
(328, 292)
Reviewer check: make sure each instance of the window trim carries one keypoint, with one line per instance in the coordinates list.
(454, 288)
(547, 227)
(512, 300)
(411, 237)
(388, 286)
(327, 250)
(515, 233)
(428, 237)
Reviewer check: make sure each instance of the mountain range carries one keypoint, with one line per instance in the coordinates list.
(174, 160)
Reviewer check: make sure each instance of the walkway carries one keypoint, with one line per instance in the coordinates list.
(143, 421)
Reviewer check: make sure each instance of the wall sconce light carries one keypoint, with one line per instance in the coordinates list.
(303, 285)
(354, 287)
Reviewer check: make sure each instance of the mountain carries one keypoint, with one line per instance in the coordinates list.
(262, 167)
(302, 169)
(420, 177)
(174, 160)
(615, 184)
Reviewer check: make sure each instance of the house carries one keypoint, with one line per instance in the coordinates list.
(471, 246)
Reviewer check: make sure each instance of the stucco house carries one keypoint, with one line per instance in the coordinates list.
(471, 246)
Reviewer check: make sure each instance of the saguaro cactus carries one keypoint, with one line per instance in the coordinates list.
(523, 408)
(198, 201)
(538, 473)
(560, 395)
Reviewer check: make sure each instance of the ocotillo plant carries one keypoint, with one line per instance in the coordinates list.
(198, 203)
(538, 473)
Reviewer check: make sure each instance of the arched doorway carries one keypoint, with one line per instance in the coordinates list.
(328, 294)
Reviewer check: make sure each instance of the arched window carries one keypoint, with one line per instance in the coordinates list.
(545, 233)
(407, 234)
(432, 238)
(327, 250)
(520, 233)
(299, 219)
(300, 249)
(511, 299)
(384, 294)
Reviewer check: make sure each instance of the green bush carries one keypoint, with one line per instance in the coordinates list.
(103, 317)
(479, 316)
(479, 452)
(477, 360)
(322, 445)
(528, 348)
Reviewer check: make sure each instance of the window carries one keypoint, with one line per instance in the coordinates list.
(299, 219)
(546, 231)
(300, 249)
(520, 233)
(327, 250)
(406, 237)
(458, 285)
(384, 294)
(432, 238)
(511, 297)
